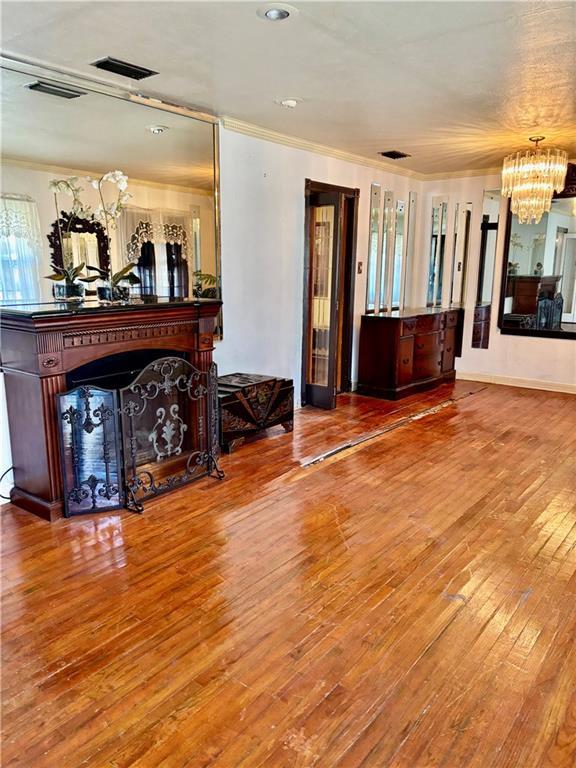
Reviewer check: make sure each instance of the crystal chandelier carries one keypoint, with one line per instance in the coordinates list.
(530, 178)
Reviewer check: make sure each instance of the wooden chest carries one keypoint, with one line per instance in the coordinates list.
(249, 403)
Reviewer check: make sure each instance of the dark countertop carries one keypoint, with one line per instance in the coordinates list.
(67, 309)
(414, 311)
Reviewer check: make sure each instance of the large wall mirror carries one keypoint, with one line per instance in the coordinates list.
(158, 171)
(538, 296)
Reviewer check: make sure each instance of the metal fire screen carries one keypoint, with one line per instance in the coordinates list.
(90, 450)
(169, 417)
(167, 421)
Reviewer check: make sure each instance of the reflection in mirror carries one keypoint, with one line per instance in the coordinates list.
(386, 252)
(397, 264)
(165, 224)
(539, 285)
(375, 208)
(488, 237)
(437, 251)
(462, 221)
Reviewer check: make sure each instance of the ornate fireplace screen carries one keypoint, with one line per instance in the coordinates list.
(168, 423)
(169, 428)
(90, 450)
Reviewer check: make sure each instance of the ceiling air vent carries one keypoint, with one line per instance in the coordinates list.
(123, 68)
(394, 154)
(55, 89)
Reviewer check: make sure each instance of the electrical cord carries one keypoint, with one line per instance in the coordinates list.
(2, 478)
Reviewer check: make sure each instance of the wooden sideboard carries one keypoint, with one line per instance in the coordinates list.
(43, 344)
(408, 350)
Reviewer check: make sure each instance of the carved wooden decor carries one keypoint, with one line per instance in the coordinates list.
(68, 223)
(250, 403)
(40, 347)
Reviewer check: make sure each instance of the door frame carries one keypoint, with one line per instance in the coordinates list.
(347, 276)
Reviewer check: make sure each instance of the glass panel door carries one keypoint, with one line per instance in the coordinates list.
(324, 241)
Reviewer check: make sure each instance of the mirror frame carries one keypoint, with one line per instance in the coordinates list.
(506, 330)
(70, 223)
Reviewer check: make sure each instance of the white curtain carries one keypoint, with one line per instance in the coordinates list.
(142, 225)
(20, 249)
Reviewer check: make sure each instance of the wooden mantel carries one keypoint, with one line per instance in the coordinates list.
(42, 343)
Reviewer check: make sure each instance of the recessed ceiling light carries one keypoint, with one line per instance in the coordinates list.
(156, 129)
(277, 12)
(289, 103)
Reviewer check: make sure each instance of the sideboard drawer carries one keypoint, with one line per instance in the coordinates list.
(427, 367)
(481, 314)
(449, 350)
(451, 319)
(409, 326)
(404, 361)
(426, 344)
(427, 323)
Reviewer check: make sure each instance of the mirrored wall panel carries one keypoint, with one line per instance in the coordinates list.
(96, 185)
(437, 253)
(373, 243)
(488, 239)
(539, 282)
(391, 244)
(462, 221)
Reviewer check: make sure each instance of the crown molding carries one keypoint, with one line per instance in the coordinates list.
(61, 170)
(248, 129)
(462, 174)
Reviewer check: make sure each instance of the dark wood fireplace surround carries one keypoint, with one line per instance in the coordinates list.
(42, 343)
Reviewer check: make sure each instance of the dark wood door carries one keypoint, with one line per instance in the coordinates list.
(324, 218)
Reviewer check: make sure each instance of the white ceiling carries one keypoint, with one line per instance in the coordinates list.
(455, 84)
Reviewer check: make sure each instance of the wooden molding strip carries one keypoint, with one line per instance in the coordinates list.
(513, 381)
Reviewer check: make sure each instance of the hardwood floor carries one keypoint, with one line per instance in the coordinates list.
(407, 603)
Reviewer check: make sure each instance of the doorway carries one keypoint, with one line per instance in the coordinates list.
(329, 276)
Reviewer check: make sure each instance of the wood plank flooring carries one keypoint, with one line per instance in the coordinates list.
(408, 603)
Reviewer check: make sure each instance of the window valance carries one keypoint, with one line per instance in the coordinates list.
(141, 225)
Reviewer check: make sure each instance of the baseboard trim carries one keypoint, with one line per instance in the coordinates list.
(512, 381)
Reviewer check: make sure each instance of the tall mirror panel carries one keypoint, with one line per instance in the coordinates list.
(462, 219)
(375, 224)
(437, 251)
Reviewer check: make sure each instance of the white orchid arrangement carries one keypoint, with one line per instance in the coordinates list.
(105, 213)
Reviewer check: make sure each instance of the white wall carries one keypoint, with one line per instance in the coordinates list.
(522, 360)
(262, 193)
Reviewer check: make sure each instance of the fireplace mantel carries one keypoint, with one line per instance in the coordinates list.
(42, 343)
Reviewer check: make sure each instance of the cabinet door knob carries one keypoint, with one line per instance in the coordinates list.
(405, 360)
(419, 346)
(448, 349)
